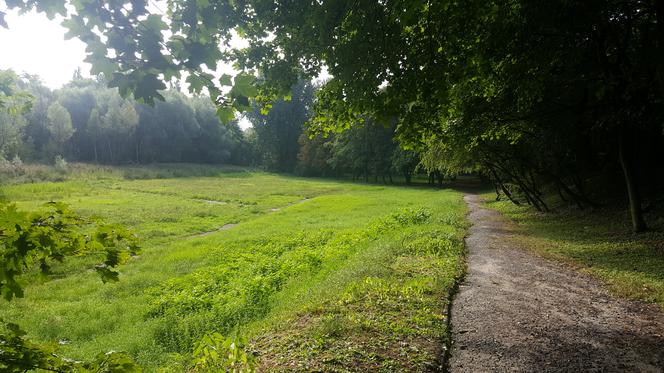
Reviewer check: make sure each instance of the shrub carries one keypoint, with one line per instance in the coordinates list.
(61, 164)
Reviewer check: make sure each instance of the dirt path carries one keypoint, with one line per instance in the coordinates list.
(520, 313)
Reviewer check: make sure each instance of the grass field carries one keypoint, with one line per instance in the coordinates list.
(599, 242)
(315, 274)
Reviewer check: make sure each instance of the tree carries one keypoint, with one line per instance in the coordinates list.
(539, 93)
(14, 103)
(11, 133)
(37, 135)
(59, 125)
(313, 157)
(94, 129)
(278, 130)
(118, 123)
(405, 162)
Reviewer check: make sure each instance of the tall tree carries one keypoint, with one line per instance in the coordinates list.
(278, 130)
(59, 125)
(525, 86)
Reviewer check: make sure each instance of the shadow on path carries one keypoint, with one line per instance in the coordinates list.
(518, 312)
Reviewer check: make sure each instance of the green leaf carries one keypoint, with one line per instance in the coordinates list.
(74, 26)
(51, 8)
(225, 114)
(102, 65)
(155, 23)
(225, 80)
(148, 89)
(107, 274)
(196, 83)
(244, 85)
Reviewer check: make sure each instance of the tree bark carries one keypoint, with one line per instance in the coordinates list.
(506, 191)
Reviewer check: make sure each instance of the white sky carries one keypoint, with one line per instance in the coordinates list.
(35, 45)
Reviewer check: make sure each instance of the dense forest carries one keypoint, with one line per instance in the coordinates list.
(85, 121)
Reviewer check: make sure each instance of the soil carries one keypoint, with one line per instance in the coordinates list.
(519, 312)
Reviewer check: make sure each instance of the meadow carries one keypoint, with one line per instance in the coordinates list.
(304, 274)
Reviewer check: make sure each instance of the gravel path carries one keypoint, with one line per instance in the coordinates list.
(518, 312)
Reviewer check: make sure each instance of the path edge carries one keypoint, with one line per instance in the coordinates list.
(448, 343)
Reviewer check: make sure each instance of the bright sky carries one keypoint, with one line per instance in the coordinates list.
(35, 45)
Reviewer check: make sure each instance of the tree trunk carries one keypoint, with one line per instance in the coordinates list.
(638, 223)
(110, 152)
(506, 191)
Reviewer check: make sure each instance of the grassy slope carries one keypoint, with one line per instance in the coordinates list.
(313, 271)
(599, 242)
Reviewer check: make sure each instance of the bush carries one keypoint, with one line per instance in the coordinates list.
(61, 164)
(13, 167)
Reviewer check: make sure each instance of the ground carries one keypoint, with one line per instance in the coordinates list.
(517, 311)
(322, 275)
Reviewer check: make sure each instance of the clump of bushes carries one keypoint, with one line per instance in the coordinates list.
(12, 167)
(61, 164)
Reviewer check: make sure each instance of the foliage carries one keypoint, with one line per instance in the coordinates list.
(85, 121)
(30, 240)
(366, 150)
(537, 95)
(214, 352)
(60, 163)
(278, 130)
(59, 124)
(20, 355)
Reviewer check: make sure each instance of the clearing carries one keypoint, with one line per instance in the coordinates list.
(355, 277)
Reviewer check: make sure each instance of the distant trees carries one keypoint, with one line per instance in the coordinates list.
(278, 130)
(85, 121)
(88, 122)
(11, 129)
(368, 151)
(59, 125)
(538, 94)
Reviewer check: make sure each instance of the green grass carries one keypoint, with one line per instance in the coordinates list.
(312, 271)
(598, 242)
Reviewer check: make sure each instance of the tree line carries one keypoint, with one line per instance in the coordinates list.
(85, 121)
(557, 96)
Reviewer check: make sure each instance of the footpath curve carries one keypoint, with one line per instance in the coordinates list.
(518, 312)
